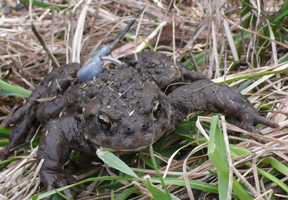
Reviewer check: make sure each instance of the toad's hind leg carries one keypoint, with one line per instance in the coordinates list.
(204, 95)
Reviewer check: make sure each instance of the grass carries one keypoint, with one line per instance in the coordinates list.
(247, 51)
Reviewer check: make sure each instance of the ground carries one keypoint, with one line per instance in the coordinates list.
(232, 42)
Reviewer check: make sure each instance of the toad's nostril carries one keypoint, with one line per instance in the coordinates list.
(145, 126)
(129, 130)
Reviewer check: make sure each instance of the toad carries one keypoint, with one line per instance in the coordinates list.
(125, 108)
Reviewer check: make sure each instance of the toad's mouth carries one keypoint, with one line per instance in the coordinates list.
(126, 150)
(134, 143)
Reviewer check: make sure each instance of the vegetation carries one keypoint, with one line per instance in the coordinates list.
(240, 43)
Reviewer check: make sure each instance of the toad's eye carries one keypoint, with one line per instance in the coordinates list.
(105, 122)
(156, 109)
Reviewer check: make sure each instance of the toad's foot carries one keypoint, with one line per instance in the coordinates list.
(53, 180)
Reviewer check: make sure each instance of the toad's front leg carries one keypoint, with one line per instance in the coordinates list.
(60, 137)
(204, 95)
(25, 120)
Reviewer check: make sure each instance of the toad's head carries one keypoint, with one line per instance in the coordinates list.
(128, 121)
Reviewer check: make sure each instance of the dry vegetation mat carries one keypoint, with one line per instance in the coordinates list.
(241, 43)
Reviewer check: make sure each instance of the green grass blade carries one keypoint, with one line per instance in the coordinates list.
(13, 89)
(277, 165)
(104, 178)
(197, 185)
(44, 5)
(3, 142)
(217, 154)
(60, 196)
(283, 12)
(200, 59)
(166, 192)
(254, 75)
(245, 10)
(127, 193)
(271, 177)
(4, 132)
(238, 151)
(147, 44)
(35, 197)
(130, 36)
(158, 193)
(7, 161)
(113, 161)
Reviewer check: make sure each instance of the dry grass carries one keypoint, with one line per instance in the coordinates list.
(181, 30)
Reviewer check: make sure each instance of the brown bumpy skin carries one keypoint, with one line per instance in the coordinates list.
(126, 108)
